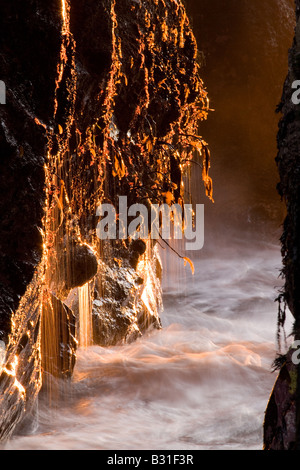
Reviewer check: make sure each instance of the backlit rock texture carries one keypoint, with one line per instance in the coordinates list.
(282, 425)
(104, 100)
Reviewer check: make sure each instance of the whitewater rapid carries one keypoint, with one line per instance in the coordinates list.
(202, 382)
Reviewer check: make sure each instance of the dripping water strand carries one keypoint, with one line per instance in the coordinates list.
(85, 316)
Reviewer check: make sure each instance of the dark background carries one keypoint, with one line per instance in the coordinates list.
(244, 48)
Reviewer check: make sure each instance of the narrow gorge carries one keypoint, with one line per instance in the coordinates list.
(122, 104)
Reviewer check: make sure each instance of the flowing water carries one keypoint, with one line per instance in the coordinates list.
(202, 382)
(85, 307)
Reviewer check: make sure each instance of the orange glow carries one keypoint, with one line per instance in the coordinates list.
(85, 316)
(64, 15)
(123, 157)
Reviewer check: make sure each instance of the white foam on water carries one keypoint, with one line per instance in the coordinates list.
(202, 382)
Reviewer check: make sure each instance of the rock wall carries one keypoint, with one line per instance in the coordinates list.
(282, 425)
(26, 30)
(103, 100)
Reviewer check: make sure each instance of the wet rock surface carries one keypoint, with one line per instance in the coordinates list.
(127, 300)
(289, 187)
(59, 358)
(110, 109)
(282, 424)
(26, 31)
(83, 266)
(21, 374)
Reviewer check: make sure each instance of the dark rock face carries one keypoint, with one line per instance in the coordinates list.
(23, 141)
(104, 99)
(25, 31)
(84, 266)
(282, 425)
(289, 187)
